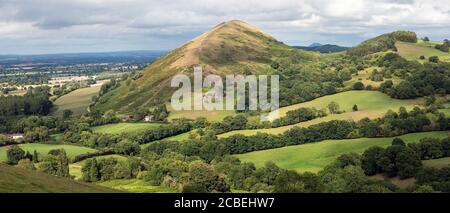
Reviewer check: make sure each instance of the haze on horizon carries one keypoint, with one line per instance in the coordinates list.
(61, 26)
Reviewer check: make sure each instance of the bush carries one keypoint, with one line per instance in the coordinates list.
(433, 59)
(398, 142)
(358, 86)
(14, 155)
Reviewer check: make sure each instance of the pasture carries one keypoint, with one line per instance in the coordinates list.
(371, 104)
(412, 51)
(43, 149)
(120, 128)
(313, 157)
(78, 101)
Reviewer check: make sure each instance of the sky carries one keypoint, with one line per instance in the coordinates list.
(60, 26)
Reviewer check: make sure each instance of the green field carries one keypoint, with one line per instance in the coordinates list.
(412, 51)
(371, 104)
(125, 128)
(77, 101)
(135, 185)
(43, 149)
(314, 156)
(180, 137)
(18, 180)
(209, 115)
(437, 163)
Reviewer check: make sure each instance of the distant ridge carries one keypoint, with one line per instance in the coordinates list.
(315, 45)
(326, 48)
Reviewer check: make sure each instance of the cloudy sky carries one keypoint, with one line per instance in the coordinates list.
(53, 26)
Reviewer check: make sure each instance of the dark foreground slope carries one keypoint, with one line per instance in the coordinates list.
(14, 179)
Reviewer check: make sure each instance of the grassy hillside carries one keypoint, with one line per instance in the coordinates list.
(18, 180)
(314, 156)
(382, 43)
(412, 51)
(119, 128)
(232, 47)
(43, 149)
(371, 104)
(77, 101)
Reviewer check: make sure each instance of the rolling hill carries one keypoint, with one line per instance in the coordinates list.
(232, 47)
(18, 180)
(371, 104)
(77, 101)
(315, 156)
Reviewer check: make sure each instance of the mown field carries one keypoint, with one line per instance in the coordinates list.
(43, 149)
(371, 104)
(314, 156)
(119, 128)
(77, 101)
(413, 51)
(17, 180)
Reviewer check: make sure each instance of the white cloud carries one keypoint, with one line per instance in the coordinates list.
(71, 25)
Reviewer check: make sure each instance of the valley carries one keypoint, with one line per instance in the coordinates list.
(342, 109)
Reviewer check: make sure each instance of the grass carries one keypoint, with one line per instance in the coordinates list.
(437, 163)
(445, 111)
(135, 185)
(119, 128)
(215, 115)
(371, 104)
(77, 101)
(314, 156)
(43, 149)
(180, 137)
(412, 51)
(18, 180)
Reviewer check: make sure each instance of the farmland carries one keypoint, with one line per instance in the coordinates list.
(125, 128)
(77, 101)
(371, 104)
(43, 149)
(413, 51)
(314, 156)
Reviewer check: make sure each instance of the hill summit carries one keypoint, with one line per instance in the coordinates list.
(232, 47)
